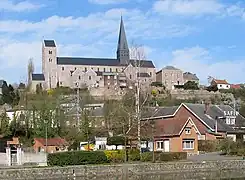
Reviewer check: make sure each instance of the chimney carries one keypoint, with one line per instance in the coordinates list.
(206, 107)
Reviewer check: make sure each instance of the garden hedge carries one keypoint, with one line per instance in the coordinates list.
(77, 158)
(164, 156)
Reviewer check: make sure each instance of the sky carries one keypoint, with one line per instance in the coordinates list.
(205, 37)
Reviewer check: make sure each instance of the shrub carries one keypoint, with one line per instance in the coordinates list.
(77, 158)
(163, 156)
(207, 145)
(134, 155)
(115, 156)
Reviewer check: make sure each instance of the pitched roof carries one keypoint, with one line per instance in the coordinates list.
(100, 62)
(52, 141)
(122, 41)
(209, 117)
(190, 76)
(168, 68)
(38, 77)
(49, 43)
(236, 86)
(218, 81)
(159, 111)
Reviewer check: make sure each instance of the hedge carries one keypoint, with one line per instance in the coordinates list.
(164, 156)
(77, 158)
(208, 145)
(115, 156)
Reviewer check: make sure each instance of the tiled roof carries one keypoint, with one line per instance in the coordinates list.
(218, 81)
(190, 76)
(38, 77)
(49, 43)
(235, 86)
(99, 62)
(143, 75)
(52, 141)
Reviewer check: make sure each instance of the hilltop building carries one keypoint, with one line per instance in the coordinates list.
(77, 72)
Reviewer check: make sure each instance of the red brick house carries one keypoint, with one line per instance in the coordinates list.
(53, 145)
(212, 121)
(176, 135)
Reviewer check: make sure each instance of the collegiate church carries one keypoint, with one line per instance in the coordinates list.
(78, 72)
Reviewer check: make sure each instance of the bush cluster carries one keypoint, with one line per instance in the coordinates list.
(163, 156)
(208, 145)
(109, 156)
(229, 147)
(77, 158)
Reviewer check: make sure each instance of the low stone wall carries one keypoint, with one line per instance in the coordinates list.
(109, 171)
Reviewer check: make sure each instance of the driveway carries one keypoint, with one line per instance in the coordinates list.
(215, 156)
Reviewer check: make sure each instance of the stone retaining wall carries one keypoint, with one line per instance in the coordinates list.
(109, 171)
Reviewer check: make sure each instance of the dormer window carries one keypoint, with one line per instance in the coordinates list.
(50, 52)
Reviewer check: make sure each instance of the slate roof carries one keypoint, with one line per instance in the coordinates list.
(122, 40)
(38, 77)
(49, 43)
(190, 76)
(212, 112)
(161, 111)
(168, 68)
(100, 62)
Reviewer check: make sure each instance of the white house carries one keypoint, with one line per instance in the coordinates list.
(221, 84)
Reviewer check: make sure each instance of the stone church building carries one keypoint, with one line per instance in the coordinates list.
(78, 72)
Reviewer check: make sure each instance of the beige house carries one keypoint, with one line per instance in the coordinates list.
(170, 76)
(190, 77)
(91, 72)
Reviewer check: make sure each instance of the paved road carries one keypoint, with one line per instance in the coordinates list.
(212, 156)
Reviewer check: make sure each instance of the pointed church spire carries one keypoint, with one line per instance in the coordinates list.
(122, 47)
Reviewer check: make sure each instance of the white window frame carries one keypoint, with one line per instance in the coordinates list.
(228, 120)
(187, 130)
(233, 121)
(190, 142)
(159, 145)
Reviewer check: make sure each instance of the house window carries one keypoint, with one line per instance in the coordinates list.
(75, 68)
(160, 145)
(50, 52)
(60, 83)
(227, 86)
(188, 130)
(233, 121)
(110, 70)
(50, 60)
(89, 77)
(220, 85)
(228, 120)
(150, 73)
(108, 77)
(79, 77)
(116, 70)
(188, 144)
(85, 69)
(98, 69)
(92, 68)
(104, 69)
(130, 76)
(63, 68)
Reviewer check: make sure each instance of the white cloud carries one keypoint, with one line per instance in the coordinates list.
(9, 5)
(103, 2)
(188, 7)
(198, 60)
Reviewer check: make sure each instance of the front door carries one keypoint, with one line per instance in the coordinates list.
(166, 145)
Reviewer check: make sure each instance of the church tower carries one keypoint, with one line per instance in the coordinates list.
(122, 47)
